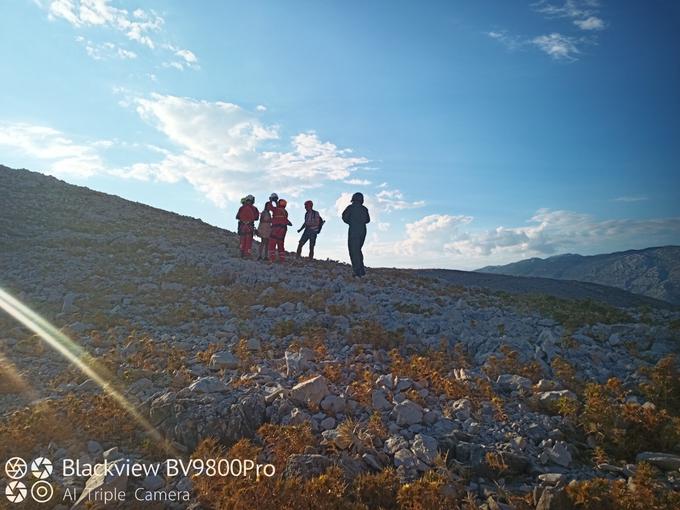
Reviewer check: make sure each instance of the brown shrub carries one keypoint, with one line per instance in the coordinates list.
(663, 387)
(644, 493)
(624, 429)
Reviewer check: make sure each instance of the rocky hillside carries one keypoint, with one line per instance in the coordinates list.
(398, 391)
(653, 272)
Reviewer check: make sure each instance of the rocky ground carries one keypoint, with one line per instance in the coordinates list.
(488, 399)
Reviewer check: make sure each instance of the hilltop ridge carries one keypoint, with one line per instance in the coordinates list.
(653, 272)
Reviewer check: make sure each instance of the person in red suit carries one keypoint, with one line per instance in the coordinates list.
(246, 216)
(277, 237)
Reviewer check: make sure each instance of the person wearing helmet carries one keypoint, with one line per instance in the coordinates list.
(312, 227)
(246, 216)
(357, 217)
(264, 230)
(280, 224)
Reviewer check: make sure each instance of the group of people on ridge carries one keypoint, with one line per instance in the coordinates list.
(273, 225)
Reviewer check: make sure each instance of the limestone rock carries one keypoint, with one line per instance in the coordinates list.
(407, 413)
(310, 392)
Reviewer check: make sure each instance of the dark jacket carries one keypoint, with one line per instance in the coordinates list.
(356, 216)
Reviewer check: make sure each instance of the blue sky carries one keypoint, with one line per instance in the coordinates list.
(480, 132)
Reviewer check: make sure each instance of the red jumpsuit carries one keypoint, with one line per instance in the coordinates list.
(277, 237)
(246, 217)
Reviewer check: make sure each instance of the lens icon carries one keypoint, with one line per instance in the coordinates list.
(41, 468)
(42, 491)
(16, 468)
(16, 492)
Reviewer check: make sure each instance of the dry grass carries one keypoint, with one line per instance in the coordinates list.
(624, 429)
(508, 362)
(644, 493)
(329, 491)
(96, 417)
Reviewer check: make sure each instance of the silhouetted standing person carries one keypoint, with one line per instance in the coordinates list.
(356, 216)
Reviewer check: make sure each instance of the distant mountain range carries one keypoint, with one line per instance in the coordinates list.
(653, 272)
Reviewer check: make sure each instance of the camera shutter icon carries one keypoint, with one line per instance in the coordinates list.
(41, 468)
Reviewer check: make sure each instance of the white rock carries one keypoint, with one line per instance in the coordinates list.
(462, 408)
(223, 359)
(548, 399)
(425, 448)
(207, 385)
(310, 392)
(560, 454)
(513, 382)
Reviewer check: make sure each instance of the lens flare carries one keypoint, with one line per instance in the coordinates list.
(78, 357)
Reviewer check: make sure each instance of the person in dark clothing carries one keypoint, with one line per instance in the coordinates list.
(356, 216)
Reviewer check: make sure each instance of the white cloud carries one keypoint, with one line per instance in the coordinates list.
(63, 155)
(431, 234)
(441, 240)
(144, 27)
(583, 13)
(358, 182)
(187, 55)
(261, 108)
(83, 13)
(187, 59)
(105, 50)
(222, 151)
(590, 23)
(552, 232)
(558, 46)
(509, 41)
(391, 200)
(636, 198)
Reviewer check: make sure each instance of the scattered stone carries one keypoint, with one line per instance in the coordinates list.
(333, 404)
(223, 360)
(406, 458)
(552, 478)
(310, 392)
(425, 448)
(512, 382)
(297, 362)
(407, 413)
(67, 305)
(379, 402)
(665, 461)
(153, 482)
(306, 465)
(554, 499)
(549, 399)
(559, 453)
(207, 385)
